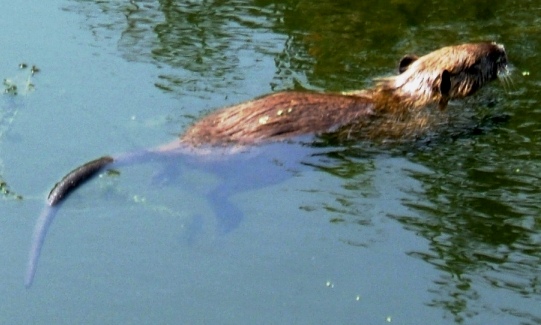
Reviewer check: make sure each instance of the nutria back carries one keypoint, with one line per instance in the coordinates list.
(278, 116)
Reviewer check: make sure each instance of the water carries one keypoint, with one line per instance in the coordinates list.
(443, 232)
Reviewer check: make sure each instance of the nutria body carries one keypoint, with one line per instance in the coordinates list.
(424, 82)
(448, 73)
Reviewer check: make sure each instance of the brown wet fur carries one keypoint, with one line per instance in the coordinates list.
(277, 117)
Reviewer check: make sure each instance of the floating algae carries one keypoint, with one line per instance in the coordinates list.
(14, 87)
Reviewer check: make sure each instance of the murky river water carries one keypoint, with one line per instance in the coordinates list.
(441, 231)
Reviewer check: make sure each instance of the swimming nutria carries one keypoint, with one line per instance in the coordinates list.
(431, 80)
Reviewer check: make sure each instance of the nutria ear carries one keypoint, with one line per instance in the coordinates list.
(406, 61)
(445, 88)
(445, 83)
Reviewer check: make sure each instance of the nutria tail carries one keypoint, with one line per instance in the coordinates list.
(59, 192)
(75, 178)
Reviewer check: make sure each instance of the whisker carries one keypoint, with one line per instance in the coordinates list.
(508, 83)
(504, 84)
(504, 75)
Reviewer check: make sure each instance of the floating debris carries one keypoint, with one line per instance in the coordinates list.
(6, 192)
(19, 84)
(34, 70)
(22, 82)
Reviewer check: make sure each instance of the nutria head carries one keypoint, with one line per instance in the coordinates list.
(448, 73)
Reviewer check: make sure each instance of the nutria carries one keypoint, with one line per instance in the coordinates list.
(429, 81)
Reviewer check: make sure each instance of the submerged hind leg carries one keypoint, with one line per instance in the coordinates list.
(228, 215)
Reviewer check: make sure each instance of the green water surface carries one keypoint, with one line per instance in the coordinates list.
(443, 231)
